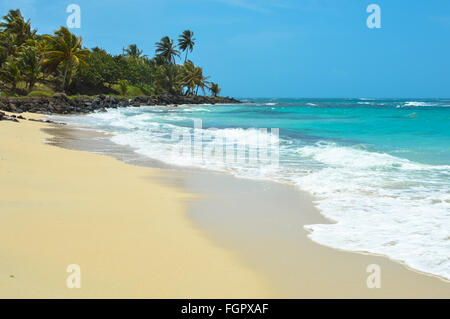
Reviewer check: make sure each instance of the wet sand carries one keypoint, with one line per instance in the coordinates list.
(264, 222)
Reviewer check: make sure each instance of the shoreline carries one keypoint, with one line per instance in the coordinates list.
(130, 236)
(60, 103)
(403, 278)
(267, 227)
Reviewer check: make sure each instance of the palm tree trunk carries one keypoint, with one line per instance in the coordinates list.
(66, 68)
(31, 84)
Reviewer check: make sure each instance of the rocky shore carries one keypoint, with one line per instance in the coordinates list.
(61, 104)
(16, 118)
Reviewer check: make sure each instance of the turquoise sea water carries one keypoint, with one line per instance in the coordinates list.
(379, 168)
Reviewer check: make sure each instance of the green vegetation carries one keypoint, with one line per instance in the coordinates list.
(123, 86)
(40, 93)
(40, 65)
(64, 51)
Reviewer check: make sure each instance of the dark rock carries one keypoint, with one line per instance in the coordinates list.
(12, 119)
(61, 104)
(4, 117)
(60, 96)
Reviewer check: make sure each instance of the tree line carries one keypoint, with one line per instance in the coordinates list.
(60, 62)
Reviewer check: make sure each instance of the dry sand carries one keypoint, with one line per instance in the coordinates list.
(130, 236)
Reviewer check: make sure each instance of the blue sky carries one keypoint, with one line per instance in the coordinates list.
(283, 48)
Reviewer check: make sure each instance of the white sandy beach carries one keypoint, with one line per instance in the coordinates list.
(130, 236)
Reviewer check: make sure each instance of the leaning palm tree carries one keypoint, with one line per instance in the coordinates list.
(64, 50)
(215, 89)
(202, 81)
(14, 23)
(188, 77)
(186, 42)
(192, 78)
(166, 49)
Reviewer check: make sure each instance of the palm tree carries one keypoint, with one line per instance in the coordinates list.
(192, 77)
(30, 64)
(166, 79)
(166, 49)
(133, 52)
(186, 42)
(42, 47)
(187, 77)
(10, 73)
(65, 49)
(215, 89)
(9, 43)
(14, 23)
(202, 81)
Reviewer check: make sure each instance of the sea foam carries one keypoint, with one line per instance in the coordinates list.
(377, 202)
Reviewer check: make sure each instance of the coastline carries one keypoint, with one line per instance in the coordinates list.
(263, 223)
(219, 240)
(130, 236)
(226, 151)
(60, 103)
